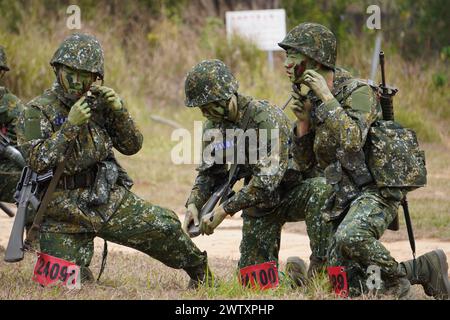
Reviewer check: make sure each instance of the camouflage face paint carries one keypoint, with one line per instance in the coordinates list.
(296, 63)
(75, 82)
(215, 111)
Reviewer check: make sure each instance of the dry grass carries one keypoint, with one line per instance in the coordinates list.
(138, 277)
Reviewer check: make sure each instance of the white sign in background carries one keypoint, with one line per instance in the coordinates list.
(264, 27)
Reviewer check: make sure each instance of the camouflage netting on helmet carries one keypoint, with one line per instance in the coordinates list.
(314, 41)
(81, 52)
(3, 62)
(209, 81)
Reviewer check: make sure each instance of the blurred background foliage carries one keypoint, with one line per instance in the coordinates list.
(151, 44)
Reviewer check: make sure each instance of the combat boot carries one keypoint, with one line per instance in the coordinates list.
(296, 270)
(86, 275)
(316, 265)
(200, 275)
(432, 274)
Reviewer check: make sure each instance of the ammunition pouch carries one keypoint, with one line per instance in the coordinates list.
(123, 178)
(105, 180)
(100, 179)
(80, 180)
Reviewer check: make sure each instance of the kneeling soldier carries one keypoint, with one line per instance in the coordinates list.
(93, 197)
(273, 193)
(337, 125)
(10, 108)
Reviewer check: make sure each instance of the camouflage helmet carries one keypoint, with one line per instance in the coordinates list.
(81, 52)
(314, 41)
(209, 81)
(3, 63)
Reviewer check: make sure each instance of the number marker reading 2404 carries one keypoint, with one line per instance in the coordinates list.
(55, 271)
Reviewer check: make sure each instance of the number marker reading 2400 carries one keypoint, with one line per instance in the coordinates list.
(262, 276)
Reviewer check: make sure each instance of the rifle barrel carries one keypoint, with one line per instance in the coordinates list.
(6, 210)
(383, 76)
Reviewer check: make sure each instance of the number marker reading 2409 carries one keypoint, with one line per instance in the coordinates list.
(55, 271)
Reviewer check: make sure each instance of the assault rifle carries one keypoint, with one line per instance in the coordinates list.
(387, 107)
(28, 192)
(386, 100)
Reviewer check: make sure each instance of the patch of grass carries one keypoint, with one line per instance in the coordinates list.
(138, 277)
(426, 131)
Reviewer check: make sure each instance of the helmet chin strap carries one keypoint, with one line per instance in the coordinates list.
(231, 111)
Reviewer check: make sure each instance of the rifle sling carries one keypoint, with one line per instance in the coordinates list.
(35, 228)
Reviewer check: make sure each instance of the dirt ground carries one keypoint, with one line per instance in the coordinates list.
(224, 243)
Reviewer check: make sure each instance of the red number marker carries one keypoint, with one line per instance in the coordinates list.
(261, 276)
(54, 271)
(338, 278)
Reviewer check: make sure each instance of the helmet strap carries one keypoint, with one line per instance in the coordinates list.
(231, 111)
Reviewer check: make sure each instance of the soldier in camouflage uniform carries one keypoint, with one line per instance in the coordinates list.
(93, 197)
(272, 194)
(333, 125)
(10, 108)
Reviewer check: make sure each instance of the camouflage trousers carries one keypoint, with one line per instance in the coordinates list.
(9, 176)
(356, 246)
(137, 224)
(262, 235)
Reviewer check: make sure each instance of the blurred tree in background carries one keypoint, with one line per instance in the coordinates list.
(418, 27)
(150, 45)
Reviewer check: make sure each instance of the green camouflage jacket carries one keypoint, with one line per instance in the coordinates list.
(336, 141)
(44, 135)
(262, 180)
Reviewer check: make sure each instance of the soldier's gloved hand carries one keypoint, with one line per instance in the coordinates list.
(80, 113)
(302, 107)
(109, 95)
(212, 220)
(191, 214)
(318, 84)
